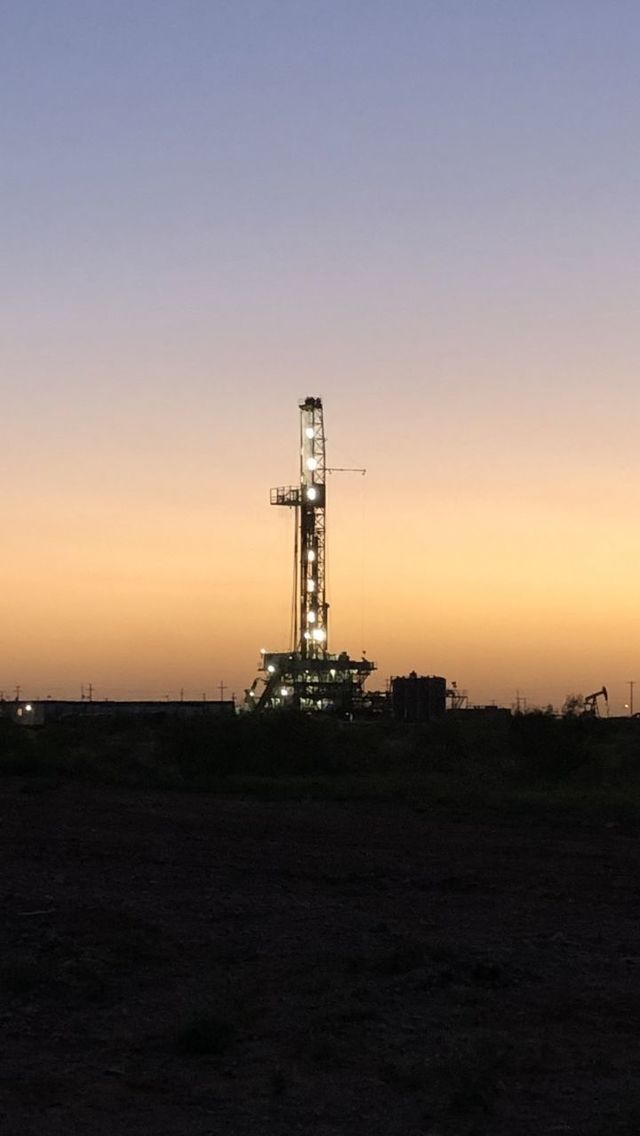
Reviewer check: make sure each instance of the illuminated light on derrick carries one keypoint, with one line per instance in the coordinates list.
(306, 675)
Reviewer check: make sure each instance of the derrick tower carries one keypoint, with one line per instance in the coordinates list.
(309, 499)
(308, 677)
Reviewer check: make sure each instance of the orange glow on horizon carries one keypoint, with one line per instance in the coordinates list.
(149, 593)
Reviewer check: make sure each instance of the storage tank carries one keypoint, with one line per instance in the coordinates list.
(418, 698)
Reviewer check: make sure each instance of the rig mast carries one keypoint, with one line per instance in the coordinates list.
(309, 677)
(309, 498)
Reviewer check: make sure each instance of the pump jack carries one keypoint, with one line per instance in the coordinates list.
(591, 708)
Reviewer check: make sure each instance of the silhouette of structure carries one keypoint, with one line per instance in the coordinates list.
(456, 699)
(591, 707)
(308, 677)
(418, 698)
(42, 712)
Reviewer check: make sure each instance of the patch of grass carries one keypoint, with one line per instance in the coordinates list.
(404, 957)
(327, 1050)
(514, 767)
(278, 1083)
(23, 976)
(468, 1075)
(486, 973)
(205, 1034)
(624, 1122)
(461, 1083)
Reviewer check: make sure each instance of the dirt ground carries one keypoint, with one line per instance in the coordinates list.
(176, 963)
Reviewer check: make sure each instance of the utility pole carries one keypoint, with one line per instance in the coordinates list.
(221, 688)
(631, 686)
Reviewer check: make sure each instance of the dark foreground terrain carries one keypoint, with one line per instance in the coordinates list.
(176, 963)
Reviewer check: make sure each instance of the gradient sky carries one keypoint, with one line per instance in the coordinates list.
(427, 213)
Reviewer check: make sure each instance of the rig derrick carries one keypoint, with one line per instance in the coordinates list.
(309, 677)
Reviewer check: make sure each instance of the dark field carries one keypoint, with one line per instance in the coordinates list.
(197, 963)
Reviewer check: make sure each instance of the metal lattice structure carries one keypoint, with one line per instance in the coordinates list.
(309, 498)
(309, 677)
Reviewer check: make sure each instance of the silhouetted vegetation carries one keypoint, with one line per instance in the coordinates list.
(464, 757)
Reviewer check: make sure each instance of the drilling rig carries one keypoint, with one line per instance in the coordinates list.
(308, 677)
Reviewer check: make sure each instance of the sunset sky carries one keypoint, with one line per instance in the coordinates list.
(426, 213)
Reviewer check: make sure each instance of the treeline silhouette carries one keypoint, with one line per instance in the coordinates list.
(463, 753)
